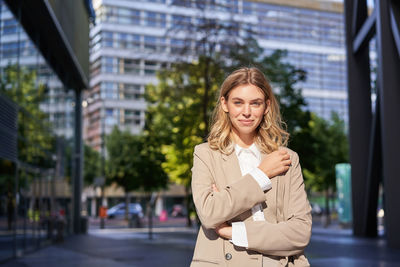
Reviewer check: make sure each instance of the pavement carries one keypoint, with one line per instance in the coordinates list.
(173, 246)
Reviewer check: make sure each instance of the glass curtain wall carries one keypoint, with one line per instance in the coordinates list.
(36, 113)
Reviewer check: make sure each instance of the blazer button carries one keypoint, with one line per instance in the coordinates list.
(228, 256)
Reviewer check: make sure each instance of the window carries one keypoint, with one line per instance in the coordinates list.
(109, 117)
(180, 22)
(109, 90)
(107, 65)
(126, 65)
(129, 91)
(107, 39)
(10, 26)
(154, 19)
(122, 40)
(150, 67)
(150, 43)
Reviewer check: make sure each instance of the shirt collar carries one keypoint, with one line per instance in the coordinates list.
(253, 149)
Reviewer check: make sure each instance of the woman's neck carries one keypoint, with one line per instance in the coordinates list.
(243, 140)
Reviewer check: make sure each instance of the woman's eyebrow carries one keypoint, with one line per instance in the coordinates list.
(256, 99)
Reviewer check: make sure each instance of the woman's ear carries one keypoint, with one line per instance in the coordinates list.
(224, 105)
(268, 106)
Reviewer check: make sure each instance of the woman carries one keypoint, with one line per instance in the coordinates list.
(247, 186)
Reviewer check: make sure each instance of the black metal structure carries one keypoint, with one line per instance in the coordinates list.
(374, 136)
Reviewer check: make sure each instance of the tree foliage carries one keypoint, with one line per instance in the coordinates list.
(36, 141)
(132, 163)
(91, 165)
(179, 115)
(329, 143)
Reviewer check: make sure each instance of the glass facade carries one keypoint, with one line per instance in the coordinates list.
(37, 113)
(16, 47)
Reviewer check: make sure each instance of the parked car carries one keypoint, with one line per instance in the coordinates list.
(316, 209)
(177, 210)
(118, 211)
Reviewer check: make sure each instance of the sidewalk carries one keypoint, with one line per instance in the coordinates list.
(333, 246)
(116, 248)
(173, 246)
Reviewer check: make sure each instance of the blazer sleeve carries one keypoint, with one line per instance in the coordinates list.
(291, 236)
(215, 208)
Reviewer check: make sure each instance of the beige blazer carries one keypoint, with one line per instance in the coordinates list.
(278, 241)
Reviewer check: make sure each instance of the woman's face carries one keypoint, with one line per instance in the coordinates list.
(246, 107)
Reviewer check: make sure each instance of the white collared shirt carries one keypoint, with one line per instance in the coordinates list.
(249, 159)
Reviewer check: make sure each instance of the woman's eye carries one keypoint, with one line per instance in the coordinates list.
(257, 104)
(237, 102)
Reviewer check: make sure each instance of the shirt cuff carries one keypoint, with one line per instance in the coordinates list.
(239, 234)
(261, 178)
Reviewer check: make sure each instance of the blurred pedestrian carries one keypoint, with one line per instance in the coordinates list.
(247, 185)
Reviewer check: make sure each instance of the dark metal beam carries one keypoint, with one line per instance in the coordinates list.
(39, 22)
(389, 81)
(374, 173)
(395, 23)
(360, 114)
(78, 164)
(366, 32)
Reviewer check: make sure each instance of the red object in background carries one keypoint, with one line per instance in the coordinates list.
(103, 212)
(62, 212)
(163, 216)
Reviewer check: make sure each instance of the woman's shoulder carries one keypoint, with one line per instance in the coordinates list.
(205, 149)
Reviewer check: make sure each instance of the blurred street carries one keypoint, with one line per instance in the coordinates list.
(172, 244)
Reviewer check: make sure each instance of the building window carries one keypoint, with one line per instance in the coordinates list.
(109, 117)
(109, 90)
(126, 65)
(154, 44)
(129, 91)
(180, 22)
(154, 19)
(150, 67)
(10, 26)
(107, 39)
(107, 65)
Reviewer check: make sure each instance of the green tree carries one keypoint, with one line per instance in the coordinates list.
(178, 113)
(330, 145)
(133, 163)
(91, 165)
(36, 139)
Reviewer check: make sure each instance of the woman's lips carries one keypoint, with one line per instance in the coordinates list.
(246, 122)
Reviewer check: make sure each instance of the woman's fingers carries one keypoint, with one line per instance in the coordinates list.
(287, 162)
(214, 188)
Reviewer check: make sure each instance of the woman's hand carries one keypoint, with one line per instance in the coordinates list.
(275, 163)
(224, 230)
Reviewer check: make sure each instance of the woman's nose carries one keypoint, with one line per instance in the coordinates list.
(246, 110)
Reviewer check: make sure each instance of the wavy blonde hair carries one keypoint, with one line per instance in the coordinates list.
(270, 133)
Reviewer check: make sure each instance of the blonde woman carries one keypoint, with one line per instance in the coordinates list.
(247, 186)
